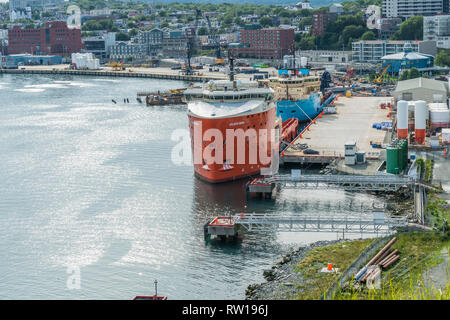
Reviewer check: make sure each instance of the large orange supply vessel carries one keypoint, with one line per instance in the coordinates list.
(231, 124)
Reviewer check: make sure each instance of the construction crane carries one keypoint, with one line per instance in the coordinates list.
(379, 79)
(190, 46)
(219, 59)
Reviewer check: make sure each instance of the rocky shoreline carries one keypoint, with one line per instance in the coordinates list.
(281, 280)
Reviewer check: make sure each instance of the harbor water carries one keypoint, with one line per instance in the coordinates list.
(88, 189)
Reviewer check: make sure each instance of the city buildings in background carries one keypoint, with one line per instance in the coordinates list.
(54, 38)
(273, 43)
(326, 56)
(99, 46)
(372, 51)
(410, 8)
(437, 28)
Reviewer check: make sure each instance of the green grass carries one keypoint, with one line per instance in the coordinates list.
(439, 212)
(418, 251)
(341, 255)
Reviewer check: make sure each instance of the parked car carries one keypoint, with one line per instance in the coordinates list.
(311, 151)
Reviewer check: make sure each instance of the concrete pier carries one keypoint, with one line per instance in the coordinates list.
(105, 73)
(353, 121)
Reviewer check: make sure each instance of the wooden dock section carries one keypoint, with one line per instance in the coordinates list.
(328, 135)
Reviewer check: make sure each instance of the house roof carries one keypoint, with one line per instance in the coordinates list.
(430, 84)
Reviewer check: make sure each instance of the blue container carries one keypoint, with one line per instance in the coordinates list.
(412, 157)
(374, 125)
(374, 145)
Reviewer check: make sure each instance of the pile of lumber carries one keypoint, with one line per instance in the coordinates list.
(382, 260)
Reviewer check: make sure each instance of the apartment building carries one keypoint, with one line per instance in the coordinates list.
(273, 43)
(410, 8)
(437, 28)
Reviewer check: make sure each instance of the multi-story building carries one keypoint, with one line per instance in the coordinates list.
(20, 13)
(55, 39)
(44, 4)
(388, 27)
(100, 46)
(152, 40)
(126, 51)
(372, 51)
(409, 8)
(265, 43)
(437, 28)
(326, 56)
(337, 8)
(174, 47)
(319, 22)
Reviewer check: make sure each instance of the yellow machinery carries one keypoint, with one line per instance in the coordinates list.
(116, 66)
(379, 79)
(219, 61)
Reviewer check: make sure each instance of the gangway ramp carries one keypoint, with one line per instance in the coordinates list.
(316, 181)
(376, 222)
(368, 223)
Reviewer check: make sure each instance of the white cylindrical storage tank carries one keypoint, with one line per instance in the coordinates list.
(439, 115)
(420, 118)
(402, 119)
(303, 61)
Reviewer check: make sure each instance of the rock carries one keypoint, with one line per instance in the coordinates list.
(269, 275)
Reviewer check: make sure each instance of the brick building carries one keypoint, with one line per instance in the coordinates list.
(319, 23)
(54, 39)
(320, 20)
(265, 43)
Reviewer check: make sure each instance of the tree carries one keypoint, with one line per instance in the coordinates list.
(404, 75)
(266, 21)
(369, 35)
(133, 32)
(442, 59)
(121, 36)
(239, 21)
(414, 73)
(411, 29)
(36, 15)
(307, 21)
(305, 13)
(202, 31)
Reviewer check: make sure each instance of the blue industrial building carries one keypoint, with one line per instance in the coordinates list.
(406, 60)
(14, 60)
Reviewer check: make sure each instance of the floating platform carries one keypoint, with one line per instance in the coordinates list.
(221, 227)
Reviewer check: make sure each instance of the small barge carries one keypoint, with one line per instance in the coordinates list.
(163, 98)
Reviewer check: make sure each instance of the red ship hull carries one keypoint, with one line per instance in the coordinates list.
(208, 167)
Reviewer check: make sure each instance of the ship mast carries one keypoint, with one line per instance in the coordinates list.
(231, 61)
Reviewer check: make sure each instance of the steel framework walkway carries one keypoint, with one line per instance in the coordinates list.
(348, 182)
(376, 223)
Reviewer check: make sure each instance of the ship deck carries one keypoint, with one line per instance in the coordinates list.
(353, 121)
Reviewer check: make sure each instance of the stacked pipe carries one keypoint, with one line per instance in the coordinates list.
(383, 259)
